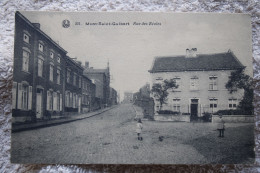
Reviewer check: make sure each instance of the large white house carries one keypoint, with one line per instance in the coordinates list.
(201, 79)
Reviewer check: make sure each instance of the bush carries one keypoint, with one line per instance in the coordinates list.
(232, 112)
(168, 112)
(206, 117)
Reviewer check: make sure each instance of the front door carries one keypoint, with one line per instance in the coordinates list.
(79, 106)
(39, 104)
(194, 109)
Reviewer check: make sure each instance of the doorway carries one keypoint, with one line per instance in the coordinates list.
(194, 109)
(39, 103)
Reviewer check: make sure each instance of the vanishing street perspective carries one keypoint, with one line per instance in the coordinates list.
(72, 105)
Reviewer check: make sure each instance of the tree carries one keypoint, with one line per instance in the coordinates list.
(239, 80)
(160, 90)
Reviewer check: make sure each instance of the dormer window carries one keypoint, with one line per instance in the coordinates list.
(51, 55)
(40, 47)
(58, 59)
(26, 38)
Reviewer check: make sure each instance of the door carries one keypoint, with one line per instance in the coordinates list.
(79, 104)
(39, 104)
(194, 109)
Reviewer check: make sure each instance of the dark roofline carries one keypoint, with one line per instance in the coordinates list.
(161, 71)
(40, 31)
(75, 63)
(215, 69)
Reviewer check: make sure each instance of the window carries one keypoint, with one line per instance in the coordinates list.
(14, 92)
(26, 38)
(74, 79)
(74, 100)
(24, 97)
(26, 56)
(79, 82)
(68, 76)
(40, 67)
(176, 105)
(213, 103)
(49, 100)
(212, 83)
(51, 55)
(58, 76)
(51, 73)
(232, 103)
(67, 99)
(194, 83)
(178, 83)
(55, 105)
(41, 47)
(58, 59)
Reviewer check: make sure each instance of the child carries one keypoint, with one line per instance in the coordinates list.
(139, 128)
(221, 126)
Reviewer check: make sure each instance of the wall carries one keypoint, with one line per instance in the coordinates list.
(234, 118)
(203, 93)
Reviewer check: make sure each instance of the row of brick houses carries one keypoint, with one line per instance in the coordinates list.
(46, 82)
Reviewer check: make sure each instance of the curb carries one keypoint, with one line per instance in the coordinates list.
(49, 124)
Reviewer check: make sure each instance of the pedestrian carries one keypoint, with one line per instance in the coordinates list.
(221, 126)
(139, 127)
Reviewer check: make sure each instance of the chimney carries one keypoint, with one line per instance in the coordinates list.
(38, 25)
(191, 53)
(87, 64)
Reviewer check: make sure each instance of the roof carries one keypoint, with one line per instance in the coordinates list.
(92, 70)
(202, 62)
(40, 31)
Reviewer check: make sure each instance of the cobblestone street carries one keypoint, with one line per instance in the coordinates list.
(110, 138)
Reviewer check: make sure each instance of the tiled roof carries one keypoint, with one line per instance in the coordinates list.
(91, 70)
(202, 62)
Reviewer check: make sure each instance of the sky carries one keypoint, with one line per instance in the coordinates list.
(131, 49)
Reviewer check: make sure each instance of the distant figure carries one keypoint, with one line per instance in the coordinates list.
(139, 127)
(221, 126)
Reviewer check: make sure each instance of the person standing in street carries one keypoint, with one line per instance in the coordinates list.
(221, 126)
(139, 127)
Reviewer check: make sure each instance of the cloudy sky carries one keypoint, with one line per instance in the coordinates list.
(130, 49)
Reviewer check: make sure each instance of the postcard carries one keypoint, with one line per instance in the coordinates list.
(132, 88)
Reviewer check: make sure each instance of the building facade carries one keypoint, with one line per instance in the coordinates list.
(201, 80)
(86, 94)
(46, 82)
(128, 97)
(113, 97)
(73, 86)
(38, 73)
(101, 78)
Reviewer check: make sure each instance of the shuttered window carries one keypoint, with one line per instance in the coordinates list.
(25, 65)
(14, 93)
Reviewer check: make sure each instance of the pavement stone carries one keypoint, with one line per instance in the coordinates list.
(110, 138)
(47, 123)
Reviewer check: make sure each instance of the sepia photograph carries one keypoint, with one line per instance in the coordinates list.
(132, 88)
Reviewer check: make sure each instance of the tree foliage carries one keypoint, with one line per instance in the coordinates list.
(160, 90)
(239, 80)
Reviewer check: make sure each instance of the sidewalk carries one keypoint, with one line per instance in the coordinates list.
(47, 123)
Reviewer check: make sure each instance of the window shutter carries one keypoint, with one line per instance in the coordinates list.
(48, 100)
(30, 98)
(19, 105)
(61, 102)
(55, 101)
(14, 91)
